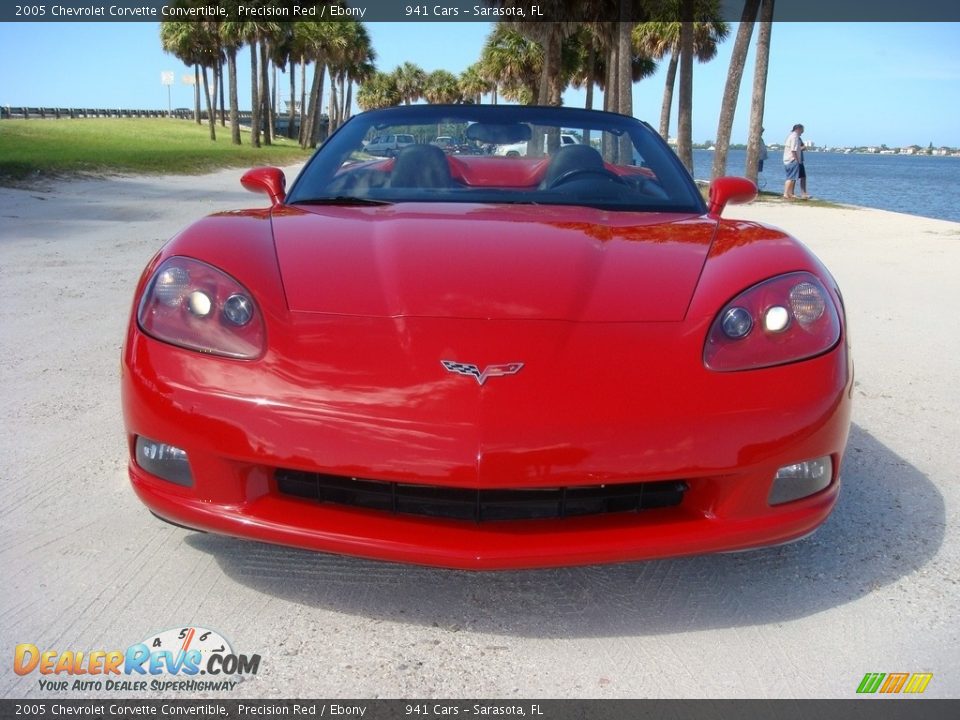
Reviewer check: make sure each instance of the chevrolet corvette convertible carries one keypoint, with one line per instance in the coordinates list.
(469, 360)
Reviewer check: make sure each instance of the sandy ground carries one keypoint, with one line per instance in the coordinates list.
(85, 567)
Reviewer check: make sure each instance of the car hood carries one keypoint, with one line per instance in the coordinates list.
(490, 262)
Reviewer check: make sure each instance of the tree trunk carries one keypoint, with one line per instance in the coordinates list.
(759, 88)
(625, 79)
(234, 102)
(302, 110)
(265, 93)
(196, 94)
(211, 118)
(546, 42)
(333, 104)
(223, 110)
(551, 88)
(292, 111)
(307, 112)
(254, 96)
(316, 115)
(685, 104)
(611, 100)
(591, 62)
(667, 106)
(213, 95)
(731, 90)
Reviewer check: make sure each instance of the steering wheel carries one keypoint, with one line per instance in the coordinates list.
(581, 172)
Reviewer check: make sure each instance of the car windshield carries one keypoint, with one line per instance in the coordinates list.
(498, 154)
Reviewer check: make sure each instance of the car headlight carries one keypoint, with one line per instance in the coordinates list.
(196, 306)
(787, 318)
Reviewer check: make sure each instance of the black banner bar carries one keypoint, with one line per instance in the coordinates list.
(897, 708)
(455, 10)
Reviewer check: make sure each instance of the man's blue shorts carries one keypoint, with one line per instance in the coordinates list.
(793, 170)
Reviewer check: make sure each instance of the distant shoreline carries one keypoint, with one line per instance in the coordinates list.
(937, 152)
(872, 180)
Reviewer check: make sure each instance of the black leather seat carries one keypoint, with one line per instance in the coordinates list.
(572, 158)
(421, 166)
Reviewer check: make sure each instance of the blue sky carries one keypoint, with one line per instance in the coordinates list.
(848, 83)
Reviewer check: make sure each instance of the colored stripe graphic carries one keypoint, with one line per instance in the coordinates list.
(918, 683)
(893, 683)
(871, 682)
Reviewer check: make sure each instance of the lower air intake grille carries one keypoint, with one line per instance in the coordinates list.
(480, 505)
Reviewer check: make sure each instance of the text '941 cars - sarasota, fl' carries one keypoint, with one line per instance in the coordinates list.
(456, 357)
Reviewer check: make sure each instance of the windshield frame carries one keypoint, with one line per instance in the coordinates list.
(331, 156)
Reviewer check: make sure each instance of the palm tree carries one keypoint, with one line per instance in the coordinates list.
(660, 38)
(442, 87)
(759, 88)
(624, 80)
(267, 33)
(585, 59)
(357, 73)
(361, 65)
(231, 39)
(685, 103)
(515, 61)
(284, 55)
(731, 90)
(320, 41)
(194, 43)
(256, 34)
(410, 80)
(473, 84)
(180, 40)
(379, 91)
(345, 56)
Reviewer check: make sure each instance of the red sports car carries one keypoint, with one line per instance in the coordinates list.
(477, 361)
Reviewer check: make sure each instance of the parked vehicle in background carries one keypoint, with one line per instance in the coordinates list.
(520, 149)
(389, 145)
(458, 146)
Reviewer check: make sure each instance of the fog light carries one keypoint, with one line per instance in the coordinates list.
(793, 482)
(165, 461)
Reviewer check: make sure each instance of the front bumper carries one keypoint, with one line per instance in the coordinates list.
(722, 434)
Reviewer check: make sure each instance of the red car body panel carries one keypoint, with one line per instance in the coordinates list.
(607, 312)
(447, 260)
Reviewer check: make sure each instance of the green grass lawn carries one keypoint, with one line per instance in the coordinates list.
(35, 149)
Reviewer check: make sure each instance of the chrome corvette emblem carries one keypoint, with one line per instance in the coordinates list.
(481, 376)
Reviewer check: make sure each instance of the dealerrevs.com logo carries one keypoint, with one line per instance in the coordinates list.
(189, 659)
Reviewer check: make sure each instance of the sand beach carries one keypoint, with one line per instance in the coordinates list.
(86, 567)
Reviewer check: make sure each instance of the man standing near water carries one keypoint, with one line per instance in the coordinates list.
(792, 160)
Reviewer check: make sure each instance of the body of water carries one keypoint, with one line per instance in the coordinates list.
(915, 184)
